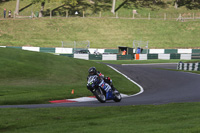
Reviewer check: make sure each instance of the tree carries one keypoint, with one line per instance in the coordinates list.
(176, 3)
(42, 8)
(71, 2)
(17, 8)
(113, 6)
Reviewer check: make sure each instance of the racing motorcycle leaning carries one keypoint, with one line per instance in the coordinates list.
(102, 90)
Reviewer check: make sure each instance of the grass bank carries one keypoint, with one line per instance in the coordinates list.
(32, 77)
(101, 32)
(173, 118)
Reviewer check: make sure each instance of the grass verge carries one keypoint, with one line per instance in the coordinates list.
(32, 77)
(173, 118)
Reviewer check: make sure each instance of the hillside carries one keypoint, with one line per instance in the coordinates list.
(101, 32)
(104, 31)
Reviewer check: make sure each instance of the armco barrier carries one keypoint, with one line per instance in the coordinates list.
(36, 49)
(142, 56)
(95, 57)
(68, 55)
(109, 57)
(125, 57)
(152, 56)
(13, 47)
(183, 54)
(175, 56)
(47, 50)
(171, 51)
(186, 56)
(184, 51)
(156, 51)
(188, 66)
(164, 56)
(111, 51)
(194, 51)
(82, 56)
(196, 56)
(64, 50)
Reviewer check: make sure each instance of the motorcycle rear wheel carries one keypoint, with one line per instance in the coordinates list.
(99, 95)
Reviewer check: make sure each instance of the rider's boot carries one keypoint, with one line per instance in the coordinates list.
(114, 89)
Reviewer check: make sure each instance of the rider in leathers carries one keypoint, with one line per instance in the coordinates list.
(93, 71)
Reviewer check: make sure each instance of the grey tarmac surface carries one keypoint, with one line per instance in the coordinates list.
(160, 87)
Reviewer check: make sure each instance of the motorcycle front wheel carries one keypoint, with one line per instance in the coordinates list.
(117, 97)
(99, 95)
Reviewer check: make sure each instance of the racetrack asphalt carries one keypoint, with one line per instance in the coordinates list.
(160, 86)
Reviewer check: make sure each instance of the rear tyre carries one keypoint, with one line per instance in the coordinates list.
(99, 95)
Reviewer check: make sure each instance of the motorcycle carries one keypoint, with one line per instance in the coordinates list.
(102, 90)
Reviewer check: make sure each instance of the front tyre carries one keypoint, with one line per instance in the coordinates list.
(117, 97)
(99, 95)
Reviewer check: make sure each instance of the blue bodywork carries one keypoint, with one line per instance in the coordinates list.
(93, 81)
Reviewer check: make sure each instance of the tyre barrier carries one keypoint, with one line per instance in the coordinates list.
(188, 66)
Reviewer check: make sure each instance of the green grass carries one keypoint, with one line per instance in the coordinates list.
(101, 32)
(29, 77)
(173, 118)
(32, 77)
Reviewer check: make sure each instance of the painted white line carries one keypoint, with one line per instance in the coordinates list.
(83, 99)
(88, 99)
(124, 95)
(141, 88)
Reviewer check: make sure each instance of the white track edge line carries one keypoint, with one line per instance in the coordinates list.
(141, 88)
(87, 99)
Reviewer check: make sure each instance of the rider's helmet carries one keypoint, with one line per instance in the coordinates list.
(92, 71)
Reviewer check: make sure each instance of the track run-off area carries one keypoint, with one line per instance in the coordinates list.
(158, 84)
